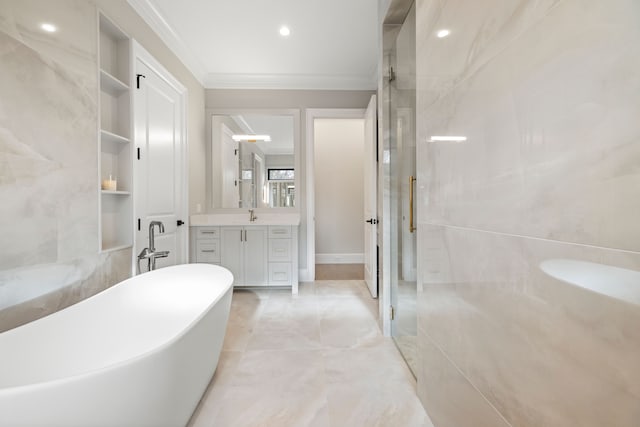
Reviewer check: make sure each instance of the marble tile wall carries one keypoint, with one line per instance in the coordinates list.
(48, 160)
(529, 243)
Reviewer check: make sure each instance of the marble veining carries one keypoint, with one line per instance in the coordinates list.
(531, 114)
(32, 292)
(509, 323)
(46, 178)
(528, 239)
(48, 160)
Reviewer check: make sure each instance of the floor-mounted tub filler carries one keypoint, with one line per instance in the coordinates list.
(140, 353)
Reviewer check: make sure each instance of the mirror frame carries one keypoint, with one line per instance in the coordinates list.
(293, 112)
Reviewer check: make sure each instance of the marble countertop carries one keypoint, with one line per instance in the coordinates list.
(243, 219)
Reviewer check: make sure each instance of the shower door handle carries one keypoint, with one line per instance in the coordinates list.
(412, 181)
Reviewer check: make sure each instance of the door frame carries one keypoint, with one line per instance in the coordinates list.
(309, 275)
(138, 52)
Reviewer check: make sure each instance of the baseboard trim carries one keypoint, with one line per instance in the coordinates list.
(339, 258)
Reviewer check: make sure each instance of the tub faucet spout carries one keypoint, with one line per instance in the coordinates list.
(152, 224)
(149, 253)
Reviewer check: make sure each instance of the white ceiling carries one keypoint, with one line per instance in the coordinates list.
(236, 43)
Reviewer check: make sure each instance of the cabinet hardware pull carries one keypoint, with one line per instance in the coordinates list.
(412, 181)
(208, 250)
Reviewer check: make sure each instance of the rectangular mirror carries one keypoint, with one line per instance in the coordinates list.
(254, 159)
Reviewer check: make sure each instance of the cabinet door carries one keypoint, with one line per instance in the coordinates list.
(231, 250)
(255, 256)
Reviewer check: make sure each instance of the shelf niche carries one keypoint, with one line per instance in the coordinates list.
(116, 161)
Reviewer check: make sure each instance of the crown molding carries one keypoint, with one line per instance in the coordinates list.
(290, 81)
(161, 27)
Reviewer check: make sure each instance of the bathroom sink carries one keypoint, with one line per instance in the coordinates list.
(243, 219)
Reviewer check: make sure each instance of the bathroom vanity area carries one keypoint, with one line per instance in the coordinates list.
(250, 224)
(262, 252)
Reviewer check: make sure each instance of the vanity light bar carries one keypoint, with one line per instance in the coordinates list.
(251, 138)
(447, 139)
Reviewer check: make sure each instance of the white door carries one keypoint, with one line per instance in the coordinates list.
(229, 150)
(370, 226)
(158, 165)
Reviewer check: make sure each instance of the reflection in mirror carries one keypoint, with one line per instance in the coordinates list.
(281, 187)
(252, 160)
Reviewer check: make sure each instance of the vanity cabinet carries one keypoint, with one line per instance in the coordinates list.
(280, 255)
(257, 255)
(207, 245)
(244, 253)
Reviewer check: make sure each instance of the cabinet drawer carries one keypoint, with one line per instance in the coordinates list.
(204, 233)
(279, 250)
(279, 232)
(279, 273)
(208, 251)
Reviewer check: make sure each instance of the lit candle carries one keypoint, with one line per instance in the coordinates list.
(109, 184)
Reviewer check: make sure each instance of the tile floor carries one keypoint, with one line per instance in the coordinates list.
(317, 359)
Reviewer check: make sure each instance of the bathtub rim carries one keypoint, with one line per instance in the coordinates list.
(23, 388)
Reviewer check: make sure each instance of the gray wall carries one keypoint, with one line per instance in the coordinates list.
(518, 224)
(287, 99)
(339, 188)
(49, 256)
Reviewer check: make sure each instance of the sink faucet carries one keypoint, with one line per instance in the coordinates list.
(149, 253)
(252, 215)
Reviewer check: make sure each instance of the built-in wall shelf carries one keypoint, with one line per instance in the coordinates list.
(109, 137)
(116, 160)
(116, 192)
(111, 84)
(112, 247)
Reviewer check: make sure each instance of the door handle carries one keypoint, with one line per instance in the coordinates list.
(180, 222)
(412, 181)
(372, 221)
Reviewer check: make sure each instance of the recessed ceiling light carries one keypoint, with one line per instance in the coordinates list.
(443, 33)
(49, 28)
(285, 31)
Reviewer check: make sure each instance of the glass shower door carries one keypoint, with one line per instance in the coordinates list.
(402, 102)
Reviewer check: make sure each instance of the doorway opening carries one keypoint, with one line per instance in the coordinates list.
(339, 179)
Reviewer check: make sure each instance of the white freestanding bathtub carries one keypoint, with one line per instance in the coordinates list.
(140, 353)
